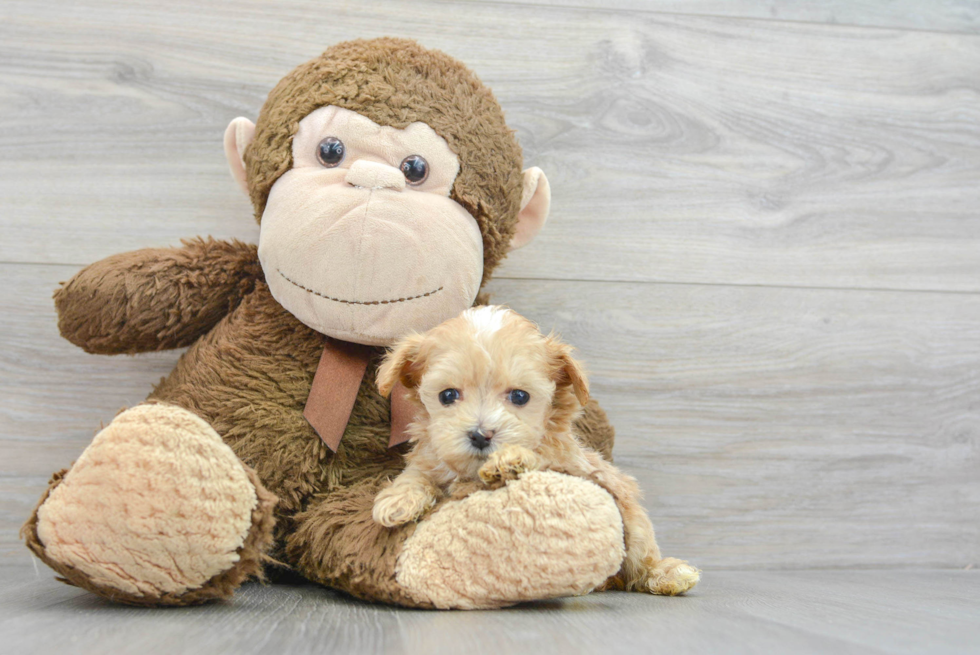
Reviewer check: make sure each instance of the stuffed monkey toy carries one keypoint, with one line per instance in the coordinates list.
(387, 187)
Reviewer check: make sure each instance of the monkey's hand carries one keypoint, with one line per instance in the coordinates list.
(157, 298)
(509, 463)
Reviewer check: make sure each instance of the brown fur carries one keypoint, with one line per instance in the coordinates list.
(250, 364)
(333, 537)
(396, 82)
(155, 299)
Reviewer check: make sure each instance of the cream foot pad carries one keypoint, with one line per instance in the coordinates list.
(157, 504)
(543, 536)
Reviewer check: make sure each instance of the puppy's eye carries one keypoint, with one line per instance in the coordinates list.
(519, 397)
(415, 169)
(330, 152)
(448, 396)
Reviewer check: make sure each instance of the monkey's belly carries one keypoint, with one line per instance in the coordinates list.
(250, 378)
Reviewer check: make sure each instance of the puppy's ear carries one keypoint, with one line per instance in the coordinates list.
(568, 371)
(405, 364)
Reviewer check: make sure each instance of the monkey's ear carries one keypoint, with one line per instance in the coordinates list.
(535, 203)
(404, 364)
(238, 135)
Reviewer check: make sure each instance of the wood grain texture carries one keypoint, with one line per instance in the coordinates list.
(729, 612)
(770, 428)
(786, 427)
(680, 148)
(937, 15)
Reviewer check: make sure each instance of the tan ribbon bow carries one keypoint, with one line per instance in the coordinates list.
(333, 393)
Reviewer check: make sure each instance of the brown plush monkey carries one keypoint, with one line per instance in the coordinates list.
(388, 187)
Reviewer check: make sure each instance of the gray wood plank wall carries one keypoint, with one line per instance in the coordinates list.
(765, 238)
(937, 15)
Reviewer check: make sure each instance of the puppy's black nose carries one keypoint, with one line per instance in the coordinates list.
(480, 438)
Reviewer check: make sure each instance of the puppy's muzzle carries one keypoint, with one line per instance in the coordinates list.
(480, 438)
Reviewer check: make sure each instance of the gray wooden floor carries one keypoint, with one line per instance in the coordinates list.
(732, 612)
(765, 242)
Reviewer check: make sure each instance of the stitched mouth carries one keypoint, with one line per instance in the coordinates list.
(358, 302)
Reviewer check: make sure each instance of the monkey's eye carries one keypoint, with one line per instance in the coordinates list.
(415, 169)
(519, 397)
(448, 396)
(330, 152)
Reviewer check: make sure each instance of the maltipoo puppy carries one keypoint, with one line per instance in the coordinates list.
(497, 398)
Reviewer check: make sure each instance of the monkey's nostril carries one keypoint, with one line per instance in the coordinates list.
(480, 438)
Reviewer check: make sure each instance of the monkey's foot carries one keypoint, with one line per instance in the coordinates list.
(544, 535)
(508, 463)
(670, 577)
(157, 511)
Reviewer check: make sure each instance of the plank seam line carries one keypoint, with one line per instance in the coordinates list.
(655, 12)
(957, 292)
(808, 287)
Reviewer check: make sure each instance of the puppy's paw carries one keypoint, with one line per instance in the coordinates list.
(670, 577)
(400, 504)
(508, 463)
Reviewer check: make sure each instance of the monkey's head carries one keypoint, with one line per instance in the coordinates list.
(387, 186)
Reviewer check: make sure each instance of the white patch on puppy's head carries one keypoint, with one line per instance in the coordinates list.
(486, 319)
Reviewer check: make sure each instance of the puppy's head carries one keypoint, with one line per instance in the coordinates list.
(483, 379)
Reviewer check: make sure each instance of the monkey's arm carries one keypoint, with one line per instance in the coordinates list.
(157, 298)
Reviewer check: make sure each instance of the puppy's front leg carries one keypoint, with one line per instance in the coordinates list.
(508, 463)
(408, 498)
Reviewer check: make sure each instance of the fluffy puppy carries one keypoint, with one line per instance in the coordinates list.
(496, 398)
